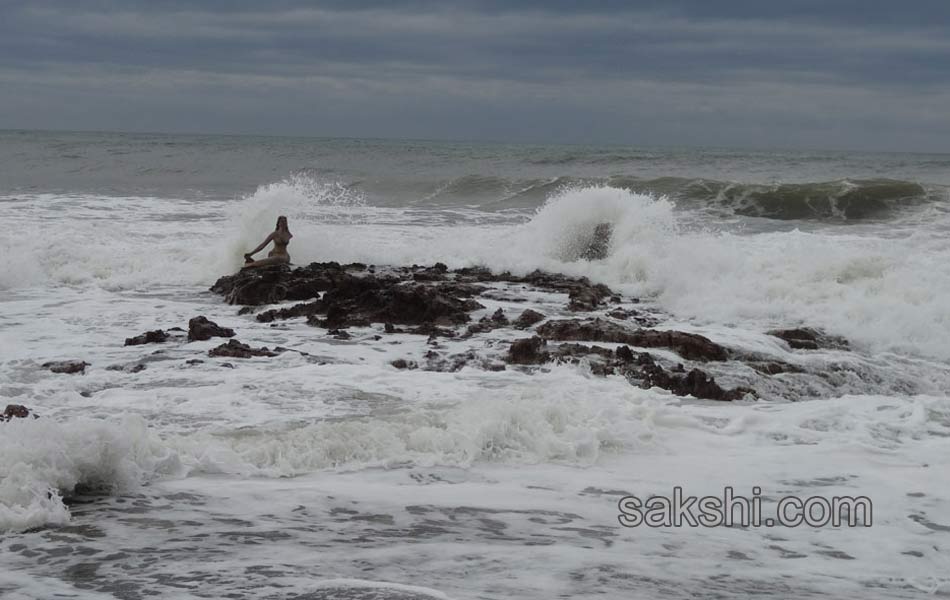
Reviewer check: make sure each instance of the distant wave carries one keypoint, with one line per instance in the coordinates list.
(842, 200)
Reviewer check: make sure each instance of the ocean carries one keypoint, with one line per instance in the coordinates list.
(330, 473)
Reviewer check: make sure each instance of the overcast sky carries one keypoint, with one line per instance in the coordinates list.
(862, 74)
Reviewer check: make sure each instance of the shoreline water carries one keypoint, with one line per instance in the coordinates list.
(285, 471)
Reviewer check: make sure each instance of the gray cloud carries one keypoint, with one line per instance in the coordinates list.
(642, 73)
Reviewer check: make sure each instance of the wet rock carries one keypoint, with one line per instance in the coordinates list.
(688, 345)
(527, 319)
(127, 368)
(373, 300)
(236, 349)
(16, 411)
(339, 334)
(453, 363)
(528, 351)
(583, 294)
(696, 383)
(401, 363)
(624, 354)
(271, 285)
(774, 367)
(496, 321)
(436, 272)
(640, 318)
(70, 367)
(807, 338)
(149, 337)
(298, 310)
(587, 298)
(200, 328)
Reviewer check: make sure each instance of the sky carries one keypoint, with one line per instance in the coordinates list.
(835, 74)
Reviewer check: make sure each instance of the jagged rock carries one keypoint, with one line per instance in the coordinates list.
(696, 383)
(297, 310)
(527, 319)
(236, 349)
(807, 338)
(624, 354)
(200, 328)
(67, 366)
(434, 273)
(774, 367)
(376, 301)
(149, 337)
(271, 285)
(339, 334)
(688, 345)
(641, 369)
(128, 368)
(528, 351)
(485, 324)
(588, 298)
(16, 411)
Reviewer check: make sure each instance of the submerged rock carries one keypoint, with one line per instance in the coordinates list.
(807, 338)
(528, 351)
(200, 329)
(638, 368)
(16, 411)
(149, 337)
(271, 285)
(136, 367)
(70, 367)
(527, 319)
(688, 345)
(236, 349)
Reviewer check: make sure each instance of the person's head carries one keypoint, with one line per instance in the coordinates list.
(282, 223)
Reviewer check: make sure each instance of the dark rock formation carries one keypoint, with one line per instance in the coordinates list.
(355, 296)
(373, 300)
(235, 349)
(280, 283)
(641, 319)
(696, 383)
(639, 368)
(127, 368)
(16, 411)
(297, 310)
(149, 337)
(527, 319)
(66, 366)
(200, 328)
(688, 345)
(402, 363)
(528, 351)
(496, 321)
(806, 338)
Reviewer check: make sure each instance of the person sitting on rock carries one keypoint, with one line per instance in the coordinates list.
(278, 256)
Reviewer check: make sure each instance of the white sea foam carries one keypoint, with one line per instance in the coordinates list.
(43, 460)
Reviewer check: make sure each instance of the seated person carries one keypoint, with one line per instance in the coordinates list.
(278, 256)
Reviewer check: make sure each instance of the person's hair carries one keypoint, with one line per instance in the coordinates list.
(284, 219)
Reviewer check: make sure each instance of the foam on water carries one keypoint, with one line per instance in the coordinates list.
(880, 289)
(539, 453)
(43, 458)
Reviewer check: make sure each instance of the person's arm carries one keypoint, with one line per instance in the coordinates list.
(261, 247)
